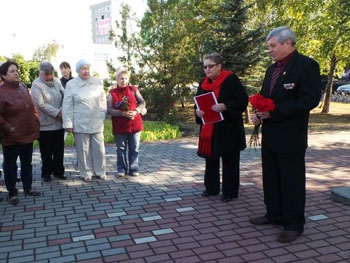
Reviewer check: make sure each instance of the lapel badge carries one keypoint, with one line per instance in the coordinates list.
(289, 85)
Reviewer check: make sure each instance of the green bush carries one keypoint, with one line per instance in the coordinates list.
(153, 131)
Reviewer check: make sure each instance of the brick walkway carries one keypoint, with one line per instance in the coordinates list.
(161, 217)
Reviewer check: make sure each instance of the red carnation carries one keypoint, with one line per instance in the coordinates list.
(261, 104)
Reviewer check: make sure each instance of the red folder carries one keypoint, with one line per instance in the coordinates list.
(204, 102)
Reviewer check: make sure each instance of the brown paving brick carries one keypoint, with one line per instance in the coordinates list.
(207, 236)
(106, 234)
(307, 254)
(141, 234)
(170, 236)
(237, 251)
(331, 258)
(308, 260)
(93, 260)
(122, 243)
(185, 253)
(338, 240)
(165, 249)
(210, 242)
(158, 258)
(317, 236)
(317, 243)
(296, 247)
(60, 241)
(273, 252)
(137, 260)
(140, 253)
(256, 248)
(211, 256)
(116, 258)
(193, 259)
(286, 258)
(253, 256)
(34, 208)
(107, 200)
(190, 245)
(11, 228)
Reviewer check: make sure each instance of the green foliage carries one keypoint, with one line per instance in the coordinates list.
(46, 52)
(153, 131)
(240, 45)
(156, 131)
(28, 70)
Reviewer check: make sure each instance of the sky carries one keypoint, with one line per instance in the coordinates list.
(29, 25)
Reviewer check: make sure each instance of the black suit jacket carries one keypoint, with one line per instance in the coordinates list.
(296, 92)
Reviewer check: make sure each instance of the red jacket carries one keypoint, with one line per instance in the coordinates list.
(124, 99)
(19, 120)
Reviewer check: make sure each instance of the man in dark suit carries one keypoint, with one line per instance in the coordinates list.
(293, 83)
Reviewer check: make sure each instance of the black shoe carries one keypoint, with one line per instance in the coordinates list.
(262, 220)
(226, 199)
(288, 236)
(206, 194)
(14, 200)
(47, 179)
(32, 192)
(62, 177)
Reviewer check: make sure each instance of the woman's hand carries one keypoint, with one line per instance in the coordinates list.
(219, 107)
(130, 114)
(200, 113)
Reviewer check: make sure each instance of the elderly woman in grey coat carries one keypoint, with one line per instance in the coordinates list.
(47, 94)
(84, 109)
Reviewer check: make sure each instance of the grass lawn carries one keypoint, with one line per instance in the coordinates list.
(337, 119)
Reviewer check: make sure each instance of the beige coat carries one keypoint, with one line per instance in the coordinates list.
(84, 106)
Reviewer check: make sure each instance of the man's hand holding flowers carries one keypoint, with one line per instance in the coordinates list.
(262, 107)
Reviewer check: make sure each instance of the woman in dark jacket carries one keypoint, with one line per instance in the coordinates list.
(19, 124)
(225, 138)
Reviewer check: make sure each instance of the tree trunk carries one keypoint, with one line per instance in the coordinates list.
(328, 89)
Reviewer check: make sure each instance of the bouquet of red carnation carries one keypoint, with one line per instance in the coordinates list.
(261, 104)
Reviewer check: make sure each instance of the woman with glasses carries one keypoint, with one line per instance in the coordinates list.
(223, 139)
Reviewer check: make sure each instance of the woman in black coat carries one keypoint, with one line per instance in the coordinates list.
(225, 138)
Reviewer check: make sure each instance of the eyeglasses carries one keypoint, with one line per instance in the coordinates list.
(209, 66)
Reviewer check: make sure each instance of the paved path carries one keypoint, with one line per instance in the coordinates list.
(161, 217)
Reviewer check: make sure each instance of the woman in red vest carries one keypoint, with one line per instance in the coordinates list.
(125, 103)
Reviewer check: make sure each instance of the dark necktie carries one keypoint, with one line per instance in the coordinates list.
(276, 73)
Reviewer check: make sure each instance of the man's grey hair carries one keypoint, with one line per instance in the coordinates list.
(282, 34)
(46, 67)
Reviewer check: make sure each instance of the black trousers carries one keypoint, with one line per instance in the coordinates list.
(230, 175)
(52, 152)
(284, 188)
(11, 154)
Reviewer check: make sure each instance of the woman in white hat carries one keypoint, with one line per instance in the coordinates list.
(83, 111)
